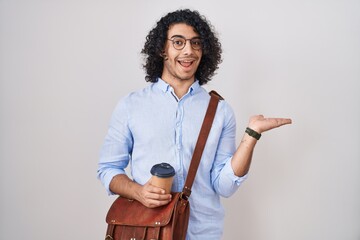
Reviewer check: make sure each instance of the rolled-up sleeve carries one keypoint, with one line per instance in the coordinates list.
(225, 182)
(228, 181)
(116, 150)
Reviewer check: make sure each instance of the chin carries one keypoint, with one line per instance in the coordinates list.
(186, 76)
(191, 78)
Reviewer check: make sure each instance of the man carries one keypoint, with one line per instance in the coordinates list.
(161, 122)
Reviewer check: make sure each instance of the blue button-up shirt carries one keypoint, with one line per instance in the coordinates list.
(151, 126)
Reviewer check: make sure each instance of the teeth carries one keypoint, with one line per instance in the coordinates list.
(185, 63)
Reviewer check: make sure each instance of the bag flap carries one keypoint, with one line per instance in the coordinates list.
(132, 213)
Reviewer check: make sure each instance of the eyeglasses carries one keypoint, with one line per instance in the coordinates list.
(180, 42)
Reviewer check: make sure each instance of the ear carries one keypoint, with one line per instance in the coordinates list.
(163, 55)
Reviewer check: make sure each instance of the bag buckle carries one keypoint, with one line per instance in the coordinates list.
(185, 194)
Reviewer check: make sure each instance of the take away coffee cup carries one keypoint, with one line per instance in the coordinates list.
(162, 176)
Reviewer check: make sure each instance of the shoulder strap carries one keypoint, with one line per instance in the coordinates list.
(200, 144)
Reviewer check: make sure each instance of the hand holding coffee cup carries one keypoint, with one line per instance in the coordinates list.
(162, 176)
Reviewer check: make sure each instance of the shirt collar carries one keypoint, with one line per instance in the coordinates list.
(165, 87)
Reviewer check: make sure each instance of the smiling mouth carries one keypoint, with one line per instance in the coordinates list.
(186, 63)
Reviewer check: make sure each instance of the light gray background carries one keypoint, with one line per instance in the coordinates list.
(65, 64)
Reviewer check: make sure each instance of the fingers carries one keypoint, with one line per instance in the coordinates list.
(261, 124)
(277, 122)
(152, 203)
(153, 196)
(284, 121)
(157, 196)
(271, 123)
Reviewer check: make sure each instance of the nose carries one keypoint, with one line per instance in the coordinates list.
(188, 48)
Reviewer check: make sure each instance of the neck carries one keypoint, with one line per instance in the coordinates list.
(181, 90)
(181, 87)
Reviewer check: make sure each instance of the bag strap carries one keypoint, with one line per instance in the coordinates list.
(201, 141)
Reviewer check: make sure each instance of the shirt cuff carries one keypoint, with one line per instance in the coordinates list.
(108, 176)
(229, 172)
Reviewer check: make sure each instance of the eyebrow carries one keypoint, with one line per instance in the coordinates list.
(181, 36)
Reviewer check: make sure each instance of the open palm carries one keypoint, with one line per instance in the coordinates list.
(261, 124)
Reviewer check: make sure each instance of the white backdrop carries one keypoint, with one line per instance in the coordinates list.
(65, 64)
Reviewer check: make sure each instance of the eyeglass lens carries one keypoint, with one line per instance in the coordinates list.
(179, 43)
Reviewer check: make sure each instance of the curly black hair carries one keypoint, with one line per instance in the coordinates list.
(155, 42)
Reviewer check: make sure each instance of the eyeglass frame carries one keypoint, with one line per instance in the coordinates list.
(186, 39)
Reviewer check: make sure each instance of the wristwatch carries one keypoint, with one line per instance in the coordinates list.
(253, 133)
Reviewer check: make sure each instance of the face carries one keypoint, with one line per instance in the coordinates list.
(181, 65)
